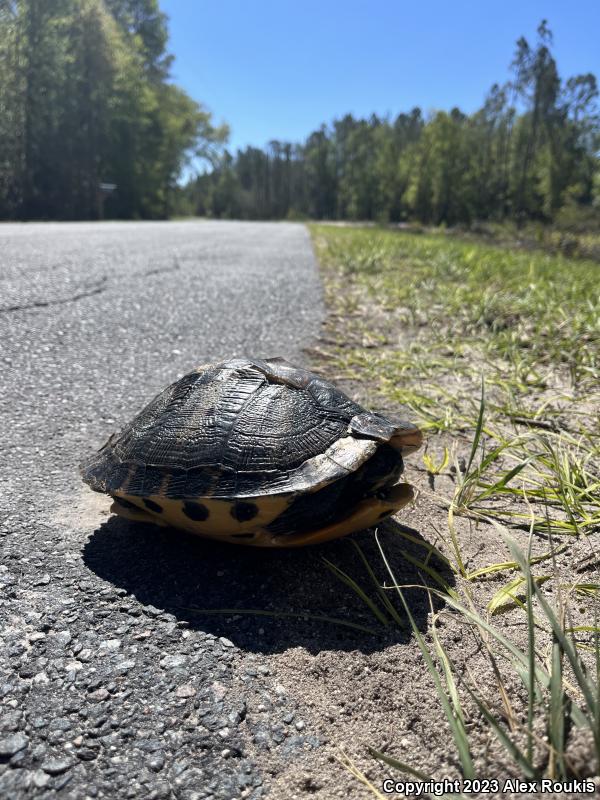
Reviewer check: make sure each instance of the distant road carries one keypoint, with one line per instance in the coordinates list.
(99, 675)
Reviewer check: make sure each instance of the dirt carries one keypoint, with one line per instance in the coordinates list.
(383, 697)
(354, 691)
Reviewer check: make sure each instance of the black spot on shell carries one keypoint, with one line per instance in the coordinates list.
(120, 501)
(244, 511)
(152, 506)
(195, 511)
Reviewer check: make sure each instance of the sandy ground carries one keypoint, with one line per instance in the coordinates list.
(380, 694)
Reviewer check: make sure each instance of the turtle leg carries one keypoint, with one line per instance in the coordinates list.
(367, 512)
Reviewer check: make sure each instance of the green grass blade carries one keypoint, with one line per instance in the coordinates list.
(399, 765)
(379, 588)
(585, 683)
(455, 544)
(507, 565)
(432, 550)
(415, 773)
(556, 717)
(448, 675)
(517, 756)
(505, 597)
(541, 675)
(496, 488)
(433, 573)
(583, 629)
(350, 582)
(531, 688)
(458, 731)
(597, 703)
(478, 429)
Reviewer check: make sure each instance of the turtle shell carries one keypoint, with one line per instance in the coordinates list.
(234, 448)
(235, 429)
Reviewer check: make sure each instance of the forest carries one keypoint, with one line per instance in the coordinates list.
(529, 153)
(92, 125)
(86, 99)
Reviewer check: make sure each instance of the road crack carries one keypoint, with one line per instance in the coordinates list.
(89, 292)
(159, 270)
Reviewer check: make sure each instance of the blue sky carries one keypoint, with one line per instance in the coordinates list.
(277, 70)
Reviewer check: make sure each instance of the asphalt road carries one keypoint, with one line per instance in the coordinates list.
(110, 685)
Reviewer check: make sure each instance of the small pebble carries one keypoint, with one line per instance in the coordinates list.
(185, 690)
(110, 645)
(62, 638)
(56, 766)
(173, 661)
(87, 753)
(9, 745)
(156, 762)
(40, 778)
(99, 695)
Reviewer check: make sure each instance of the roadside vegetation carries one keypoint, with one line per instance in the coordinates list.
(528, 154)
(92, 125)
(86, 98)
(573, 233)
(495, 353)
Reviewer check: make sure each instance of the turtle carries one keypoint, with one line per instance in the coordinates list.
(255, 452)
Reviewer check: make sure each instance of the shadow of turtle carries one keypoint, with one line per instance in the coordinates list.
(268, 600)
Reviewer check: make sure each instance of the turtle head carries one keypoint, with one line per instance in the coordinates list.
(402, 436)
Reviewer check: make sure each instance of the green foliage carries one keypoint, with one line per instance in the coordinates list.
(531, 149)
(85, 99)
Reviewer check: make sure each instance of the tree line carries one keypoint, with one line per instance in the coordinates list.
(86, 100)
(87, 104)
(530, 151)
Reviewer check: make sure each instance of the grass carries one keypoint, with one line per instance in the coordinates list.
(573, 234)
(496, 354)
(454, 315)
